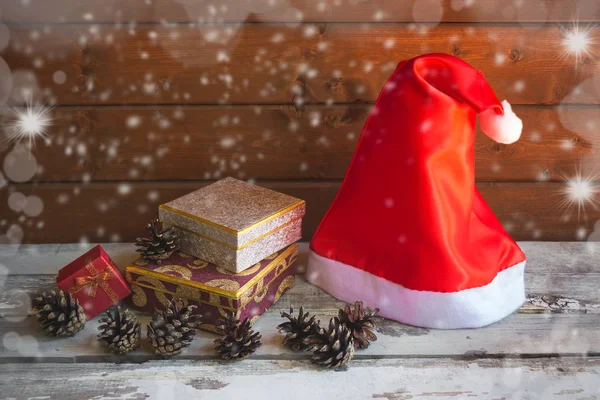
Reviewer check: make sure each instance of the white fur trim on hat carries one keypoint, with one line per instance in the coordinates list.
(505, 128)
(468, 308)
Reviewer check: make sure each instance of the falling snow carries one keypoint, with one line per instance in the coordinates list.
(577, 42)
(227, 142)
(29, 124)
(133, 121)
(314, 69)
(578, 192)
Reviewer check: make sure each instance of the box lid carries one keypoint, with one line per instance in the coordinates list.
(232, 212)
(95, 276)
(95, 253)
(181, 269)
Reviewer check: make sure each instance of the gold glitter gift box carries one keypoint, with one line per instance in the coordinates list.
(234, 224)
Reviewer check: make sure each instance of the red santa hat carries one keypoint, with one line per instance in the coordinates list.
(408, 232)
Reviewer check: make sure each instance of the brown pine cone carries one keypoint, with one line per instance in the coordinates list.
(120, 330)
(332, 347)
(296, 329)
(60, 314)
(237, 339)
(161, 243)
(361, 323)
(173, 329)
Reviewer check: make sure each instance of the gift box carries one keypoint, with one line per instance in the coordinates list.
(94, 280)
(215, 290)
(234, 224)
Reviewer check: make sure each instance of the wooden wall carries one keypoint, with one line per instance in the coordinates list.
(154, 98)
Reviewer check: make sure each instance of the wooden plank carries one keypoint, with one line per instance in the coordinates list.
(143, 11)
(565, 292)
(547, 293)
(571, 258)
(119, 211)
(458, 363)
(560, 277)
(561, 283)
(531, 334)
(314, 142)
(275, 63)
(363, 379)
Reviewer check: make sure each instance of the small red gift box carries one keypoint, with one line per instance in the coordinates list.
(94, 280)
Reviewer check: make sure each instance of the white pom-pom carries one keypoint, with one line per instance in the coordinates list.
(505, 128)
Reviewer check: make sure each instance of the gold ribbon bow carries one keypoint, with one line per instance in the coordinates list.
(95, 279)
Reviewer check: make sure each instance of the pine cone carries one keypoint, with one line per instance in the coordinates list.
(296, 329)
(360, 322)
(237, 340)
(172, 330)
(120, 330)
(161, 243)
(59, 314)
(332, 347)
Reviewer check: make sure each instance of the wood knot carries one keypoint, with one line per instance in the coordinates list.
(87, 70)
(514, 55)
(84, 55)
(335, 85)
(496, 147)
(158, 116)
(333, 120)
(322, 28)
(91, 166)
(455, 50)
(84, 121)
(161, 86)
(298, 87)
(309, 54)
(292, 111)
(84, 83)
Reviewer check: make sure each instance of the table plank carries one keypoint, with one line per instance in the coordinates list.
(560, 277)
(517, 335)
(256, 379)
(562, 315)
(546, 293)
(36, 259)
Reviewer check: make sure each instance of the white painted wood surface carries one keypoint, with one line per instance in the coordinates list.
(550, 348)
(413, 378)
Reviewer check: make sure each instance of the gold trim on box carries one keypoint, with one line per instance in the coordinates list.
(230, 245)
(264, 289)
(210, 289)
(176, 295)
(196, 218)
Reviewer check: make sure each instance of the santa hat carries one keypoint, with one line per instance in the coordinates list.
(408, 232)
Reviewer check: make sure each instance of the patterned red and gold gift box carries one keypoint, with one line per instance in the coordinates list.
(94, 280)
(215, 290)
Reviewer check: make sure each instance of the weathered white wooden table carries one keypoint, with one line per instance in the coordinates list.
(550, 348)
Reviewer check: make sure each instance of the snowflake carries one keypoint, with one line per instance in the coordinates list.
(29, 123)
(578, 42)
(133, 121)
(227, 142)
(579, 191)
